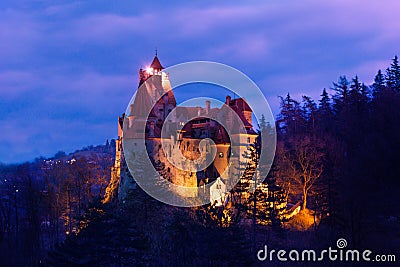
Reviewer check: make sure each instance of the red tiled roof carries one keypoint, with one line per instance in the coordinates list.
(156, 64)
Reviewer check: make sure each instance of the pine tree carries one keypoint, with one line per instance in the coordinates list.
(325, 101)
(355, 86)
(290, 118)
(379, 84)
(246, 185)
(393, 75)
(324, 112)
(263, 123)
(276, 200)
(309, 109)
(358, 96)
(340, 99)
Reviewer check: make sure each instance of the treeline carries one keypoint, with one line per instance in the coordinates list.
(42, 202)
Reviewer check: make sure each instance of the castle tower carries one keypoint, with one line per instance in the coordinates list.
(121, 181)
(153, 102)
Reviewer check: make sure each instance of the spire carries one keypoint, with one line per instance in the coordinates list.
(156, 65)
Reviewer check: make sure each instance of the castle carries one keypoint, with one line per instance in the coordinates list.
(173, 131)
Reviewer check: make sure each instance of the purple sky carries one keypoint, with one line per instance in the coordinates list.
(68, 69)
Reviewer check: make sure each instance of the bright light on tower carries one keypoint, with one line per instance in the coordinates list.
(149, 70)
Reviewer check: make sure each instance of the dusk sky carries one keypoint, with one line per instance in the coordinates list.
(69, 68)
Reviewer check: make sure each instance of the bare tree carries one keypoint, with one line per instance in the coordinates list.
(304, 162)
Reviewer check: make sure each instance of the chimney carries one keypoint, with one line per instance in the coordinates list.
(207, 106)
(228, 100)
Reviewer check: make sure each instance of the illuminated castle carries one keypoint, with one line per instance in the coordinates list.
(154, 93)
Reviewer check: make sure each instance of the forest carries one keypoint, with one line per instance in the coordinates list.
(337, 157)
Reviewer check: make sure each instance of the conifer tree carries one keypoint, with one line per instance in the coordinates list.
(340, 99)
(309, 109)
(276, 200)
(358, 96)
(379, 84)
(393, 75)
(246, 183)
(324, 112)
(290, 118)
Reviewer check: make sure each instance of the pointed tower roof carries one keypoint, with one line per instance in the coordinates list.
(156, 63)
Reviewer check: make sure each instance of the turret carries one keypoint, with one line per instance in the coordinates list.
(155, 68)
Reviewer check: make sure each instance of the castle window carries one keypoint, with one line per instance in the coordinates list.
(221, 154)
(248, 139)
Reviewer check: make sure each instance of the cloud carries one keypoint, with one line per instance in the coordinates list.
(109, 28)
(15, 83)
(69, 97)
(19, 35)
(68, 69)
(64, 8)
